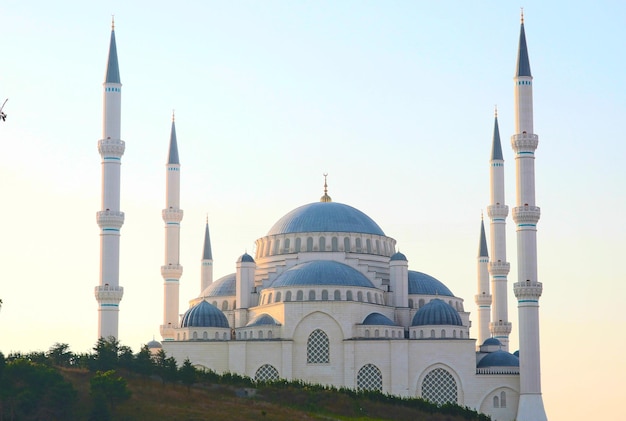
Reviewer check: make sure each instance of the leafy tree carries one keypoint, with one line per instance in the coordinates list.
(125, 357)
(109, 387)
(143, 362)
(187, 373)
(166, 367)
(106, 355)
(60, 355)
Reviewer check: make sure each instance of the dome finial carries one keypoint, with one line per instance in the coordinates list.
(495, 112)
(522, 14)
(112, 22)
(326, 197)
(173, 115)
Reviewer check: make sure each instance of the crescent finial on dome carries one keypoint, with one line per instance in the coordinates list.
(326, 197)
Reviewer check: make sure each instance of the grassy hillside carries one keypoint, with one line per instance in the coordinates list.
(153, 400)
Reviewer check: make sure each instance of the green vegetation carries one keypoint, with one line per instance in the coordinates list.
(113, 383)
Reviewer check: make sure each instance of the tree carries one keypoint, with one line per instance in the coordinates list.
(109, 387)
(60, 355)
(106, 355)
(187, 373)
(143, 363)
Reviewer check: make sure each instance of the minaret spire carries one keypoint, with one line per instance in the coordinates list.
(207, 259)
(172, 270)
(498, 211)
(110, 219)
(526, 215)
(483, 296)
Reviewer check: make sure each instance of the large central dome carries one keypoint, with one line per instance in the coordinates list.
(326, 217)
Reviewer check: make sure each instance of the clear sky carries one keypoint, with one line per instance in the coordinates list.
(394, 99)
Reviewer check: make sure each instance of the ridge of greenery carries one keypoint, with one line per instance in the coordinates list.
(114, 383)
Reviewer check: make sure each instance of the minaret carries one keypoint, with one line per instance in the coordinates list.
(207, 260)
(526, 215)
(110, 220)
(497, 211)
(483, 297)
(172, 215)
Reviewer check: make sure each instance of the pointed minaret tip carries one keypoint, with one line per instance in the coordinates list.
(523, 63)
(482, 244)
(496, 147)
(113, 69)
(207, 254)
(326, 197)
(172, 156)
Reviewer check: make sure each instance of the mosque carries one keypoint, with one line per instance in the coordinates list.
(327, 298)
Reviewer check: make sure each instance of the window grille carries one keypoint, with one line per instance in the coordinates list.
(318, 348)
(369, 378)
(439, 387)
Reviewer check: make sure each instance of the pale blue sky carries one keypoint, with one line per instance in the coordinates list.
(394, 99)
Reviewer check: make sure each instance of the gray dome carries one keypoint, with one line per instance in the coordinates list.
(245, 258)
(326, 217)
(154, 344)
(378, 319)
(322, 272)
(263, 319)
(204, 315)
(398, 256)
(498, 359)
(423, 284)
(223, 287)
(437, 312)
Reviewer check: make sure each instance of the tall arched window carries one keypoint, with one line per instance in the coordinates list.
(369, 297)
(312, 295)
(277, 247)
(299, 296)
(322, 243)
(288, 296)
(369, 378)
(346, 244)
(324, 295)
(309, 244)
(337, 295)
(318, 348)
(225, 305)
(266, 373)
(349, 296)
(496, 402)
(439, 387)
(359, 296)
(334, 244)
(298, 244)
(368, 245)
(287, 244)
(269, 298)
(358, 245)
(278, 297)
(502, 399)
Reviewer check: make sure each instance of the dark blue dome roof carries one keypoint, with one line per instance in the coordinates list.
(262, 319)
(421, 283)
(245, 258)
(437, 312)
(498, 359)
(204, 315)
(322, 272)
(398, 256)
(325, 217)
(378, 319)
(223, 287)
(492, 341)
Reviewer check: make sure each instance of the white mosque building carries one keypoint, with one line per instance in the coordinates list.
(327, 298)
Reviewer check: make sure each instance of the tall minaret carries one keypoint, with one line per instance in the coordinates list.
(500, 326)
(526, 215)
(110, 220)
(483, 297)
(172, 215)
(206, 274)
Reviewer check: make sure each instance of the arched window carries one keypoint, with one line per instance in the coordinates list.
(299, 296)
(225, 337)
(386, 248)
(322, 243)
(393, 333)
(358, 245)
(349, 296)
(376, 333)
(503, 399)
(260, 334)
(439, 387)
(421, 334)
(288, 296)
(414, 335)
(238, 335)
(337, 295)
(496, 402)
(277, 247)
(420, 303)
(443, 333)
(309, 244)
(369, 297)
(454, 333)
(266, 373)
(359, 296)
(195, 335)
(369, 378)
(386, 333)
(432, 333)
(184, 336)
(287, 244)
(269, 298)
(312, 295)
(461, 334)
(334, 244)
(318, 348)
(410, 302)
(378, 247)
(225, 305)
(245, 335)
(214, 303)
(278, 297)
(298, 244)
(270, 335)
(368, 245)
(346, 244)
(205, 335)
(217, 336)
(324, 295)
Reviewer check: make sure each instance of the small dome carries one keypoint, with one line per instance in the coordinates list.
(322, 272)
(204, 315)
(423, 284)
(492, 341)
(245, 258)
(378, 319)
(154, 344)
(398, 256)
(325, 217)
(263, 319)
(437, 312)
(223, 287)
(498, 359)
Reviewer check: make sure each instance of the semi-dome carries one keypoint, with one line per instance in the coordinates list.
(223, 287)
(421, 283)
(322, 272)
(437, 312)
(204, 315)
(245, 258)
(398, 256)
(326, 217)
(378, 319)
(263, 319)
(498, 359)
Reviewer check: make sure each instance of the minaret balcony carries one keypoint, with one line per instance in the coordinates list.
(107, 294)
(497, 211)
(499, 268)
(524, 142)
(111, 147)
(483, 299)
(172, 271)
(528, 290)
(500, 328)
(526, 214)
(110, 219)
(172, 215)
